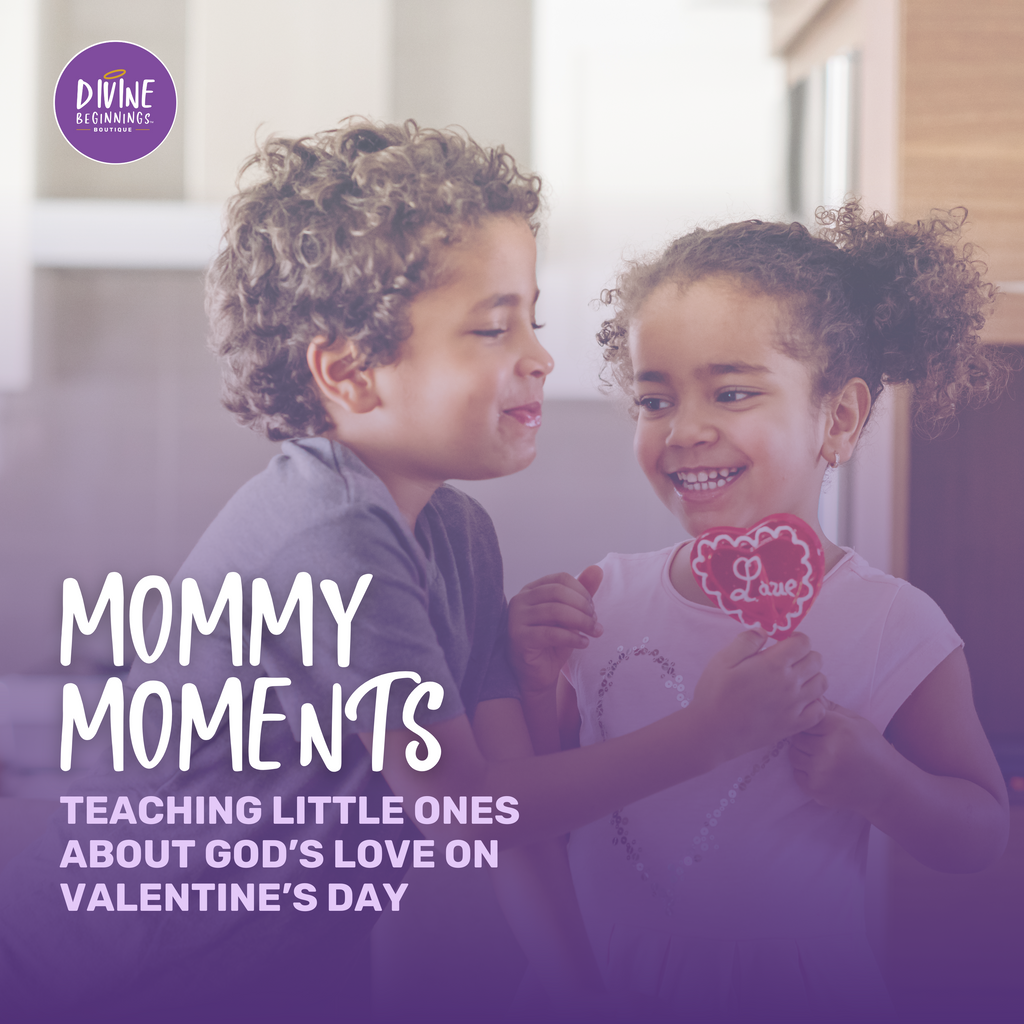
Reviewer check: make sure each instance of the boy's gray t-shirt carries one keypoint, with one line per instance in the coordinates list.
(435, 606)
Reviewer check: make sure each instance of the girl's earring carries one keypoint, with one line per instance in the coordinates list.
(835, 465)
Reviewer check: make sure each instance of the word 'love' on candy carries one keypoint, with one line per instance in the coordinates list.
(767, 576)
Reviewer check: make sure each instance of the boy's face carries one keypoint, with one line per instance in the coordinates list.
(463, 400)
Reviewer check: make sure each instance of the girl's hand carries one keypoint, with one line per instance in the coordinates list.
(549, 619)
(843, 761)
(750, 698)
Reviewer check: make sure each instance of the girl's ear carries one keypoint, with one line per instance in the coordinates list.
(339, 375)
(848, 412)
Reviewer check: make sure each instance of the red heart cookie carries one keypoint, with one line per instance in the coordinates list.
(766, 576)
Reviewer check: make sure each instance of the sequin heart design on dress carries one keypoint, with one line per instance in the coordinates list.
(766, 576)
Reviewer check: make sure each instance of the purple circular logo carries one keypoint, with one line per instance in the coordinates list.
(115, 102)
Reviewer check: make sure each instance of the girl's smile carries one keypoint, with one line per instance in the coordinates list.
(727, 429)
(690, 483)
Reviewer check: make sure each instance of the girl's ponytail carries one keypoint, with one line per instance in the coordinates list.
(923, 301)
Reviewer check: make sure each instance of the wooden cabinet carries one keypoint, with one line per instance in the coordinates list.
(939, 116)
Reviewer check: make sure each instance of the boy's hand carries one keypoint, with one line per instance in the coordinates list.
(547, 620)
(843, 761)
(752, 698)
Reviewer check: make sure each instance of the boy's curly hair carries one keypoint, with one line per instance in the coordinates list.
(338, 234)
(892, 303)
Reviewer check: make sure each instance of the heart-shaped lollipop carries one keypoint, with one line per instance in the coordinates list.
(766, 576)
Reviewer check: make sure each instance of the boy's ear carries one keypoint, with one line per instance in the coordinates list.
(848, 412)
(339, 375)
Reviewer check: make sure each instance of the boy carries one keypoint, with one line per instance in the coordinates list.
(374, 299)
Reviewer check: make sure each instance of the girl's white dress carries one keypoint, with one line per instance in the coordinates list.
(735, 897)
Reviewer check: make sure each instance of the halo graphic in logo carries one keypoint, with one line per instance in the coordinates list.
(115, 102)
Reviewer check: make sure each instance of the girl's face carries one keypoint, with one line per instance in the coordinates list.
(727, 430)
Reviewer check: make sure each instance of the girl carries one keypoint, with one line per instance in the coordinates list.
(753, 354)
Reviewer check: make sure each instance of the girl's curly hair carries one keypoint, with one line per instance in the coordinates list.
(338, 234)
(892, 303)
